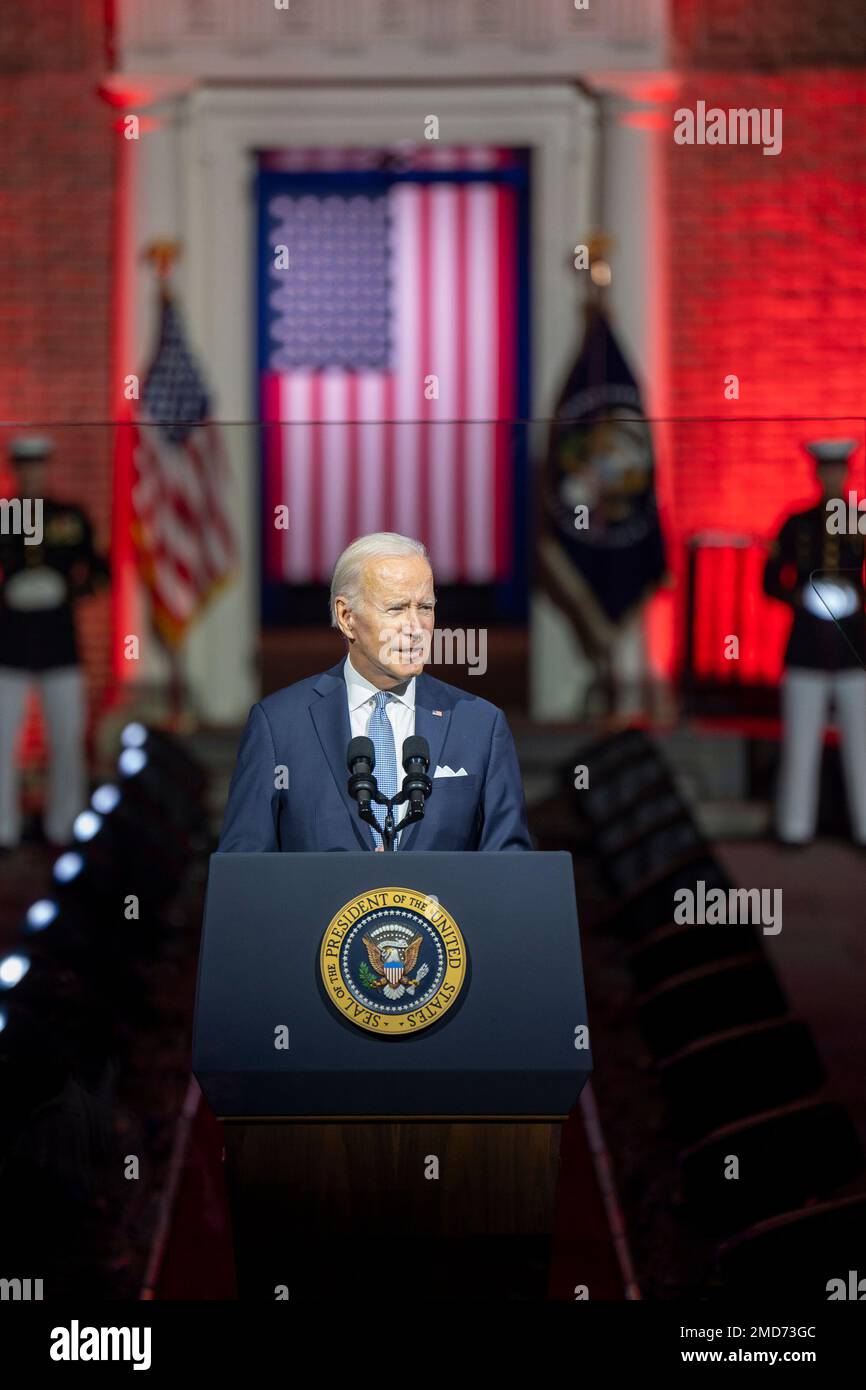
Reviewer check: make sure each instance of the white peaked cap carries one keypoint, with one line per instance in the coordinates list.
(832, 450)
(29, 448)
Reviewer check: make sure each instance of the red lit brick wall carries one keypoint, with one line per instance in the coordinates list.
(56, 188)
(767, 275)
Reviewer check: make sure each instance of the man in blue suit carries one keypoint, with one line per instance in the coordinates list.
(289, 789)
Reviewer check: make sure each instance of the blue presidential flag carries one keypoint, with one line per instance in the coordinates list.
(602, 549)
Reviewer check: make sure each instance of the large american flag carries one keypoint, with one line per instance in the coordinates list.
(388, 284)
(180, 505)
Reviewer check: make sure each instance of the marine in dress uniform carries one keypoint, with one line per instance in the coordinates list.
(820, 574)
(39, 584)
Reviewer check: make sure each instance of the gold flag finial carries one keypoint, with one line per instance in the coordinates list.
(598, 245)
(162, 255)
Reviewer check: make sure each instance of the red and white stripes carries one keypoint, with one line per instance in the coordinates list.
(392, 450)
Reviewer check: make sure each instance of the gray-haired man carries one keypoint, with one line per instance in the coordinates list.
(382, 601)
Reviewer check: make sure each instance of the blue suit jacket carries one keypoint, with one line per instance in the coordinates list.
(305, 728)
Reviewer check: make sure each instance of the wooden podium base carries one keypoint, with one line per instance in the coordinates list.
(450, 1210)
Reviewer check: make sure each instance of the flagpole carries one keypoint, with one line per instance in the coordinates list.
(162, 255)
(178, 720)
(600, 275)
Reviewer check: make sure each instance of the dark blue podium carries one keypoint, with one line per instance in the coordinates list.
(392, 1042)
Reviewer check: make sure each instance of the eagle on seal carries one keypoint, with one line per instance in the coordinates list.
(391, 960)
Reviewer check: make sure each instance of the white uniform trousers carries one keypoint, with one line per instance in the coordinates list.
(805, 696)
(62, 693)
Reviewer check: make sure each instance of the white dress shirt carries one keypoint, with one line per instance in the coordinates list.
(400, 710)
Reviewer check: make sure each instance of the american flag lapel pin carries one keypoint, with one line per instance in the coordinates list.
(437, 712)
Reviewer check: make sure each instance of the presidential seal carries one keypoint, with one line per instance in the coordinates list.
(393, 961)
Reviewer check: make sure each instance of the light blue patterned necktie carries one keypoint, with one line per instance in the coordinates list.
(379, 730)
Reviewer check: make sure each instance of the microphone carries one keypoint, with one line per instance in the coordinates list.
(417, 785)
(361, 759)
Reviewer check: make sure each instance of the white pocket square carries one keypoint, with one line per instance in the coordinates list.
(449, 772)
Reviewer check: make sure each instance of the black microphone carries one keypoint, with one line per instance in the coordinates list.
(417, 785)
(361, 759)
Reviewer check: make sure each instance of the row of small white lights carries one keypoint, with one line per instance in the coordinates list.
(39, 915)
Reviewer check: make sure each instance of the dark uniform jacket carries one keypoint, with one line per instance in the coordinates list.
(39, 638)
(804, 548)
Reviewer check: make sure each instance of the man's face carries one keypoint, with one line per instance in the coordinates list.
(832, 478)
(391, 625)
(31, 478)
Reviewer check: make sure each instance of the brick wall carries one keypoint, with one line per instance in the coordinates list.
(768, 271)
(767, 258)
(56, 188)
(767, 35)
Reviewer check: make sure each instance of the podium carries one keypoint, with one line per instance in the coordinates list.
(392, 1043)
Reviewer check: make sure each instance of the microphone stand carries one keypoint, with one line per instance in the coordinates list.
(364, 788)
(389, 831)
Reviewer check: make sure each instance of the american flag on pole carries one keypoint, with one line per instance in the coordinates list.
(388, 359)
(180, 522)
